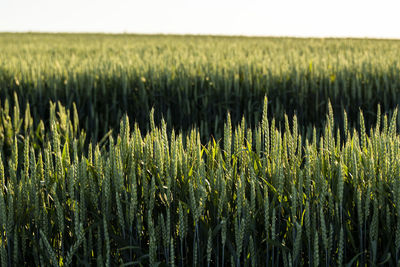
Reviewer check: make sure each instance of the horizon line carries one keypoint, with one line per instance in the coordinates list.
(201, 34)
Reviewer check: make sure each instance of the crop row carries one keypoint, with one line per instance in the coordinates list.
(260, 196)
(194, 81)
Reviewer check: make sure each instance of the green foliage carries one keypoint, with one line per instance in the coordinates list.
(195, 80)
(140, 199)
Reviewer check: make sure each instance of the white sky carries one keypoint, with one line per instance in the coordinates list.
(343, 18)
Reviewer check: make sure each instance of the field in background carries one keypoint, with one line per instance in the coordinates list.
(269, 189)
(193, 81)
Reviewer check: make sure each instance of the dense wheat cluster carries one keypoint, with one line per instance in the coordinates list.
(199, 168)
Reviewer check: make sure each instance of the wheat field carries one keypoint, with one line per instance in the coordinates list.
(120, 150)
